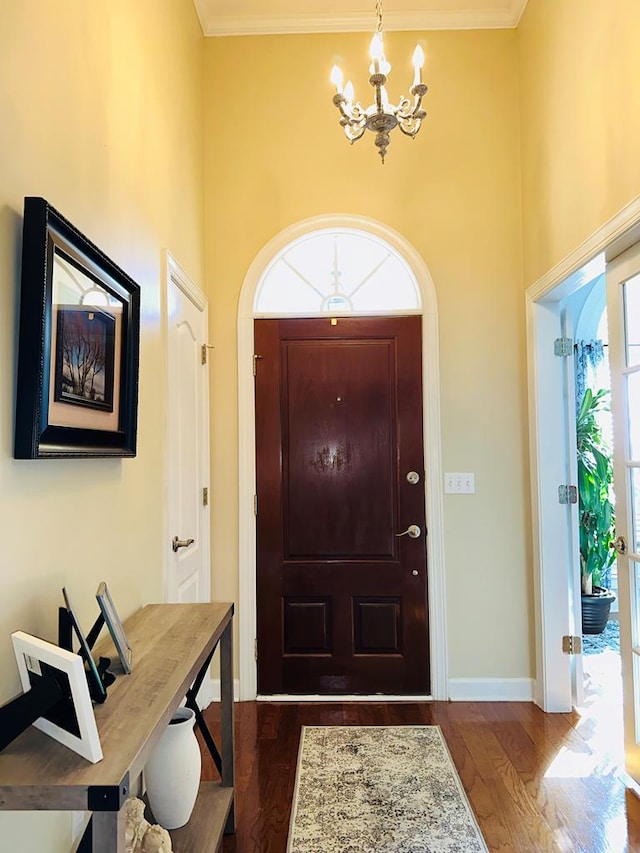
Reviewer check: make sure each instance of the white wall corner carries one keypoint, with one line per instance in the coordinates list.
(491, 689)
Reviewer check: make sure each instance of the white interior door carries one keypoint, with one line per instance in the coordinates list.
(188, 551)
(623, 303)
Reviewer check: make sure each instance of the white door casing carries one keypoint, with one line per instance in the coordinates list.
(623, 304)
(188, 572)
(573, 516)
(553, 538)
(432, 445)
(548, 443)
(553, 449)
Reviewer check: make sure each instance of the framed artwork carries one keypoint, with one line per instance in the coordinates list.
(85, 354)
(77, 389)
(71, 721)
(112, 620)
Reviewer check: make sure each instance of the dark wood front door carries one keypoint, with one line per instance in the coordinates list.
(342, 599)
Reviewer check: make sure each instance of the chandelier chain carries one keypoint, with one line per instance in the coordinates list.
(379, 14)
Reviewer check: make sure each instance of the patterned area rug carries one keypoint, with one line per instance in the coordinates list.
(379, 789)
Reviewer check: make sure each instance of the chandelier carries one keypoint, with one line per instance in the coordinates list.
(381, 117)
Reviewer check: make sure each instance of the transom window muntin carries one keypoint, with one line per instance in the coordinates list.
(337, 271)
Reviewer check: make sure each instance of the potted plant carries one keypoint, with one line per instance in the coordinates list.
(597, 513)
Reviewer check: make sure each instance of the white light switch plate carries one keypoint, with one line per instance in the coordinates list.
(459, 484)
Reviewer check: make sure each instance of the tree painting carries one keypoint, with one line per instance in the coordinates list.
(85, 357)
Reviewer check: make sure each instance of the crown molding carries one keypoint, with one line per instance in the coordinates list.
(517, 10)
(456, 19)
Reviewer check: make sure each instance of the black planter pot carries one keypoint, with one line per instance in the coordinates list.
(595, 610)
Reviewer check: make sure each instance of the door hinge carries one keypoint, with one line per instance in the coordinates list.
(205, 347)
(255, 649)
(255, 504)
(567, 494)
(563, 347)
(572, 645)
(255, 363)
(205, 496)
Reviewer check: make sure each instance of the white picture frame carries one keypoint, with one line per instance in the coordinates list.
(31, 653)
(113, 623)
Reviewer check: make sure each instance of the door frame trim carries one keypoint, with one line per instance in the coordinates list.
(431, 436)
(552, 686)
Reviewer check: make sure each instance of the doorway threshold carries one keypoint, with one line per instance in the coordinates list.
(359, 697)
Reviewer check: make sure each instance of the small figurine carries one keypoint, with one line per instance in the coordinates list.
(139, 835)
(135, 825)
(156, 840)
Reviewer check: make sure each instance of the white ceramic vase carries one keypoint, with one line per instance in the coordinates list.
(172, 774)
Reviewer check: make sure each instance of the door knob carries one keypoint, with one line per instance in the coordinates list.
(180, 543)
(413, 531)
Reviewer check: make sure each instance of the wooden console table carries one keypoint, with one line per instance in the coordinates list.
(172, 644)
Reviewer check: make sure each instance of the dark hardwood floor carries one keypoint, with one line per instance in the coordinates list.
(537, 782)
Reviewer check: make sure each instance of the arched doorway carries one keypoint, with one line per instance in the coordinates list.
(399, 253)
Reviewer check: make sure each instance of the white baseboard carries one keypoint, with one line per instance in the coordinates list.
(339, 697)
(210, 692)
(460, 690)
(491, 689)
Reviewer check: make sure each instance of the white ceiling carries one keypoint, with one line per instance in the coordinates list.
(251, 17)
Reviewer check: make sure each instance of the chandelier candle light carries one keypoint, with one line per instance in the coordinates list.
(382, 116)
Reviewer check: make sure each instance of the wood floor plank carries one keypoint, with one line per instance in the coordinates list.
(538, 783)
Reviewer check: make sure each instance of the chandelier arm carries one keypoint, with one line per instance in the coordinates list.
(340, 101)
(418, 93)
(353, 134)
(405, 109)
(353, 121)
(357, 113)
(412, 130)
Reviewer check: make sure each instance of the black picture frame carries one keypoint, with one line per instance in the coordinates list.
(97, 689)
(56, 258)
(113, 623)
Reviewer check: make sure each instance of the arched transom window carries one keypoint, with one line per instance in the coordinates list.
(337, 271)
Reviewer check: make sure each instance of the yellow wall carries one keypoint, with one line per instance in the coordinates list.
(580, 78)
(275, 155)
(101, 107)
